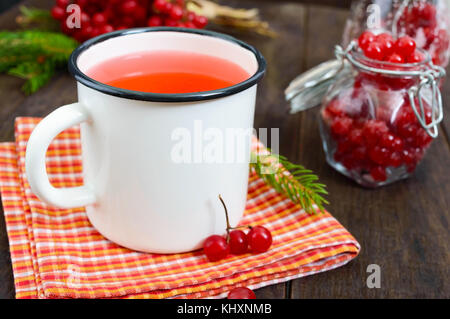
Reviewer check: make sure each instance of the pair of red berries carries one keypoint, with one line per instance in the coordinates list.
(383, 47)
(237, 242)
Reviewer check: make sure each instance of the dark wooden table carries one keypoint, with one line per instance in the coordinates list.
(404, 228)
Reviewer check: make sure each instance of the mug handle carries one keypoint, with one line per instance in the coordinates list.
(40, 139)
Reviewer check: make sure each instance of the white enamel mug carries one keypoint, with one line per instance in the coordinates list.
(135, 193)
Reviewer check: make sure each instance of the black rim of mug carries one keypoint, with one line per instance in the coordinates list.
(159, 97)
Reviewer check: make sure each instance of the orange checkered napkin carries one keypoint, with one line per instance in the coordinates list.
(56, 253)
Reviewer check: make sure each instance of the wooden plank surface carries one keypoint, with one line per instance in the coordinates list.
(283, 65)
(402, 227)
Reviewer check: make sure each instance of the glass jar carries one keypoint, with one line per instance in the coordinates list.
(378, 118)
(426, 21)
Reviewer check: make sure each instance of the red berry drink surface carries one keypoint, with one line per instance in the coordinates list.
(238, 242)
(241, 293)
(216, 248)
(259, 239)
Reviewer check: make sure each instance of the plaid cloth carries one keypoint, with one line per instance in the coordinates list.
(56, 253)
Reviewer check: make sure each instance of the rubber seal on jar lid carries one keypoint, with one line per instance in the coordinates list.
(308, 89)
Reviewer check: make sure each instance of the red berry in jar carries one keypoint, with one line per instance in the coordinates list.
(405, 46)
(341, 126)
(395, 159)
(379, 155)
(416, 57)
(395, 58)
(370, 131)
(374, 51)
(373, 130)
(356, 137)
(423, 22)
(365, 39)
(387, 43)
(378, 173)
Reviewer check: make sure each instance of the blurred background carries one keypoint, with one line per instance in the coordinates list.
(5, 4)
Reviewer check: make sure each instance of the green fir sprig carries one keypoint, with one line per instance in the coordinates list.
(34, 55)
(294, 181)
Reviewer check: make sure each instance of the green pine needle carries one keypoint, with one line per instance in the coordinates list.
(34, 55)
(294, 181)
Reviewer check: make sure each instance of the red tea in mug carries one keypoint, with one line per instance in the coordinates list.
(168, 72)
